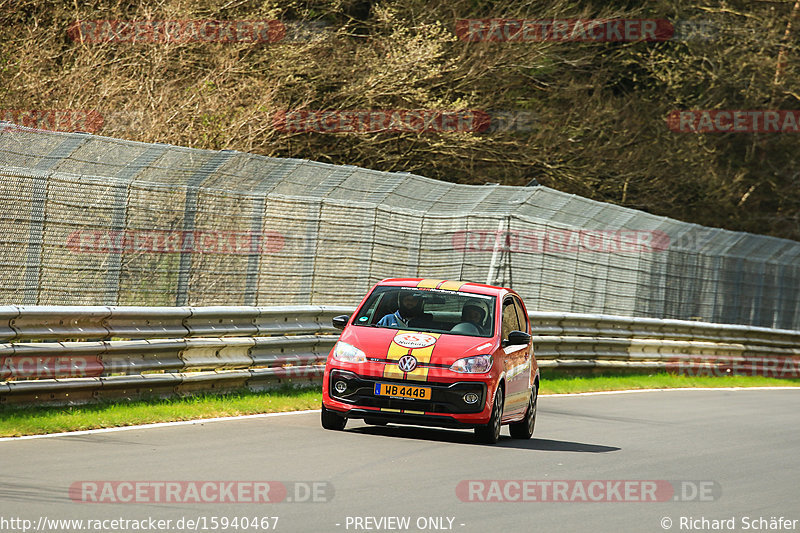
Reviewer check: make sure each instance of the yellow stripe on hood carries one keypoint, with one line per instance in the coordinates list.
(423, 355)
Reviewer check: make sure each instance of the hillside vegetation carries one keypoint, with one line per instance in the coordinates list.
(590, 117)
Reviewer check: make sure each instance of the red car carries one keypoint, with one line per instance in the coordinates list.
(435, 353)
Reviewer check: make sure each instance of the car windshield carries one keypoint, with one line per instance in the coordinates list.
(429, 310)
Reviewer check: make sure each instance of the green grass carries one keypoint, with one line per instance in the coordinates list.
(555, 382)
(16, 421)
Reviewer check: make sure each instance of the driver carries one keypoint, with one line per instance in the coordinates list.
(409, 306)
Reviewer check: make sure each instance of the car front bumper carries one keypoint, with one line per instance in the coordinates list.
(447, 406)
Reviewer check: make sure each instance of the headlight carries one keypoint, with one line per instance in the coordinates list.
(477, 364)
(348, 354)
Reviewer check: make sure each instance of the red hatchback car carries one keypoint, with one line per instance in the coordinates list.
(435, 353)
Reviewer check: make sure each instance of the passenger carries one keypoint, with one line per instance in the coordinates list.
(472, 317)
(474, 314)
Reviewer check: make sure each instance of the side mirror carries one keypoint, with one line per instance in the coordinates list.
(339, 322)
(516, 338)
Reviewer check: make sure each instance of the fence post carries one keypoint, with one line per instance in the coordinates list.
(189, 214)
(33, 260)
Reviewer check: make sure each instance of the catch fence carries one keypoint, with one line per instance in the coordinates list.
(90, 220)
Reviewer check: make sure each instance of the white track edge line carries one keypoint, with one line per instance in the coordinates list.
(268, 415)
(156, 425)
(633, 391)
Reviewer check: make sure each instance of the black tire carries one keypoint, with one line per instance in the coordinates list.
(490, 433)
(524, 428)
(332, 420)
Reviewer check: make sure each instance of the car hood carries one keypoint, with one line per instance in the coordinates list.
(387, 343)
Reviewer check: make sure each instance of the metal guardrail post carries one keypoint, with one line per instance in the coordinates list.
(119, 216)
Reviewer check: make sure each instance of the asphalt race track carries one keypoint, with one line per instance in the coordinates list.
(735, 454)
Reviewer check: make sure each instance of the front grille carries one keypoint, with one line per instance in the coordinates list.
(447, 398)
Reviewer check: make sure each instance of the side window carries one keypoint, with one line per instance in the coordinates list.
(368, 312)
(523, 319)
(385, 304)
(510, 321)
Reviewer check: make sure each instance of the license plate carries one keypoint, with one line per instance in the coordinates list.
(402, 391)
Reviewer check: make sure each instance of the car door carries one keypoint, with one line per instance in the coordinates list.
(515, 359)
(525, 325)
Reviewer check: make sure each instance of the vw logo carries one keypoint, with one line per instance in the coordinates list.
(407, 363)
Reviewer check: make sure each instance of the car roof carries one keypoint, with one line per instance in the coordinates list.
(444, 284)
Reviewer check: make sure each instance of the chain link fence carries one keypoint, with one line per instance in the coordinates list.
(90, 220)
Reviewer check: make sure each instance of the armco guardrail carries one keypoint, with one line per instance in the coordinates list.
(66, 354)
(69, 354)
(604, 341)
